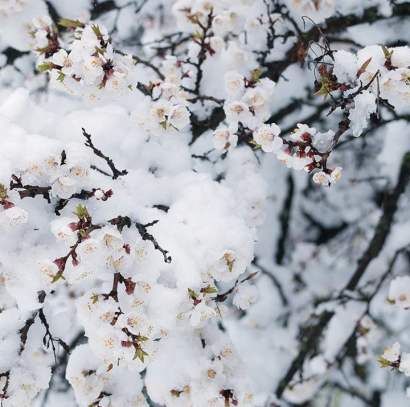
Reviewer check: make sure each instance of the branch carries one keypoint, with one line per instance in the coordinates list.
(116, 173)
(384, 226)
(310, 335)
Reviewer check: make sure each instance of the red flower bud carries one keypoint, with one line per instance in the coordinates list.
(59, 262)
(7, 204)
(129, 286)
(126, 344)
(309, 167)
(73, 226)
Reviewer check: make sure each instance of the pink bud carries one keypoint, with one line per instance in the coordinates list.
(7, 204)
(59, 262)
(73, 226)
(309, 168)
(129, 286)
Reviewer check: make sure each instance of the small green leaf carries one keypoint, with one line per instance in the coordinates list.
(61, 76)
(209, 290)
(65, 22)
(96, 30)
(45, 67)
(256, 74)
(255, 144)
(362, 69)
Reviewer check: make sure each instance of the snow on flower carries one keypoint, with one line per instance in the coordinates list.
(302, 133)
(200, 313)
(392, 354)
(400, 291)
(234, 83)
(245, 295)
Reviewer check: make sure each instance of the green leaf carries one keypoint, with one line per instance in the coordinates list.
(140, 355)
(209, 290)
(45, 67)
(192, 294)
(96, 30)
(65, 22)
(57, 277)
(99, 50)
(61, 76)
(252, 275)
(362, 69)
(255, 144)
(42, 50)
(256, 74)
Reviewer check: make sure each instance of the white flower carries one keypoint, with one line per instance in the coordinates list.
(321, 178)
(234, 83)
(116, 84)
(293, 161)
(13, 216)
(89, 247)
(64, 187)
(42, 22)
(135, 322)
(302, 133)
(160, 111)
(179, 117)
(237, 112)
(246, 294)
(267, 136)
(92, 69)
(111, 238)
(222, 24)
(226, 351)
(217, 43)
(60, 229)
(405, 364)
(400, 291)
(41, 39)
(62, 59)
(223, 139)
(200, 313)
(392, 354)
(335, 174)
(48, 270)
(226, 262)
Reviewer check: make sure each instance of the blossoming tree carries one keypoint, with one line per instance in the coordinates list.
(175, 228)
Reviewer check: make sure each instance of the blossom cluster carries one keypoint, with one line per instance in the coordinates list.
(165, 110)
(384, 69)
(90, 66)
(94, 385)
(10, 7)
